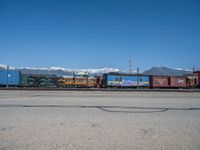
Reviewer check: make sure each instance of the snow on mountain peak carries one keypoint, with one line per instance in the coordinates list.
(5, 66)
(79, 71)
(180, 69)
(56, 68)
(34, 68)
(101, 70)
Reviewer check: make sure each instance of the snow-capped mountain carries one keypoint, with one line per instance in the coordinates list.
(180, 69)
(60, 71)
(63, 71)
(2, 66)
(166, 71)
(101, 70)
(43, 68)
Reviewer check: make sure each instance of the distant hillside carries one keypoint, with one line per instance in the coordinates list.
(69, 72)
(46, 71)
(1, 68)
(165, 71)
(65, 72)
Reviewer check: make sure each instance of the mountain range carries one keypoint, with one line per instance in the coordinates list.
(166, 71)
(68, 72)
(62, 71)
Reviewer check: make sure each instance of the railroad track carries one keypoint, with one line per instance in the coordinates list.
(101, 89)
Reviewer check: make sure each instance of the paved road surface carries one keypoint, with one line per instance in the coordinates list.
(99, 120)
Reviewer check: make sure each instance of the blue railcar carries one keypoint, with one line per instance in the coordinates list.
(126, 80)
(9, 77)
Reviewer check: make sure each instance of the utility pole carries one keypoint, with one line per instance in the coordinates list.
(138, 82)
(130, 64)
(7, 69)
(193, 69)
(138, 70)
(74, 76)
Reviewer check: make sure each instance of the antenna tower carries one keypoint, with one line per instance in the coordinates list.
(130, 64)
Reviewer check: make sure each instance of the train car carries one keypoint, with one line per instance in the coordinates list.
(159, 81)
(77, 81)
(168, 82)
(125, 80)
(178, 82)
(9, 77)
(38, 80)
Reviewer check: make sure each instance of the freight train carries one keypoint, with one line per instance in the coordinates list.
(116, 80)
(15, 78)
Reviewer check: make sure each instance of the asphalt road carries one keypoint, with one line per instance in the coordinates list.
(89, 120)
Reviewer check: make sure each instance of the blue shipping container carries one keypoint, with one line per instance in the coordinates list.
(10, 77)
(127, 81)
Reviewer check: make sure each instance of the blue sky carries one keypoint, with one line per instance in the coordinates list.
(100, 33)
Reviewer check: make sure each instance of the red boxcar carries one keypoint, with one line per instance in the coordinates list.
(159, 81)
(178, 82)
